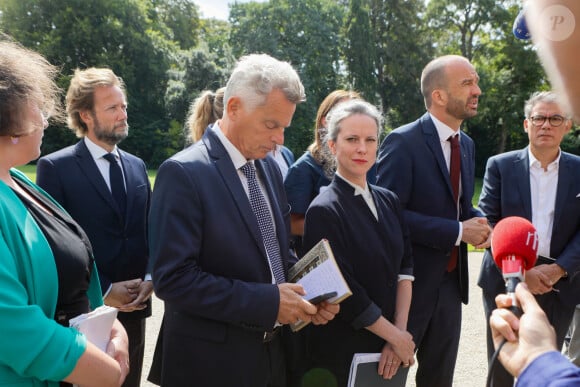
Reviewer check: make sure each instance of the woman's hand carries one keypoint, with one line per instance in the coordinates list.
(118, 348)
(404, 347)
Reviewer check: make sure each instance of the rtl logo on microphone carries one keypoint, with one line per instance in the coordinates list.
(532, 240)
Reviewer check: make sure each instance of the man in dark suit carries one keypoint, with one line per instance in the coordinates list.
(542, 184)
(109, 199)
(219, 240)
(417, 163)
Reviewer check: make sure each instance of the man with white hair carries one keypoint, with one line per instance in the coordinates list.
(219, 235)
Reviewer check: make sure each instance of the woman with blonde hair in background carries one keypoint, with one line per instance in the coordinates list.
(204, 111)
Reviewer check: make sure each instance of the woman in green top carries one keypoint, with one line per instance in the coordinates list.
(47, 271)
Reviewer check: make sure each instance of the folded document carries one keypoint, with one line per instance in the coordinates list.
(96, 325)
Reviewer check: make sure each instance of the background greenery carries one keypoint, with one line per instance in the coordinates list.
(30, 171)
(167, 54)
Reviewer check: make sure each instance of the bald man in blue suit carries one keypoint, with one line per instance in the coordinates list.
(414, 162)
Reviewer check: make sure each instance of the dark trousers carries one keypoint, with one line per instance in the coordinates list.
(272, 364)
(276, 362)
(559, 315)
(136, 331)
(435, 324)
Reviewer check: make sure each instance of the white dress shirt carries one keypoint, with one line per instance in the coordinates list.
(102, 164)
(239, 161)
(543, 187)
(444, 133)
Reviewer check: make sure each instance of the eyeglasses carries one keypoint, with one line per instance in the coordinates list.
(555, 120)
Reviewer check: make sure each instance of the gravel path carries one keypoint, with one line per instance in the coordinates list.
(471, 368)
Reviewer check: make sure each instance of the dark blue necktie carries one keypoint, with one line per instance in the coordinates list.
(262, 212)
(117, 182)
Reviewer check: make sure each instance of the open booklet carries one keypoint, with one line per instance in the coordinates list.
(96, 325)
(364, 372)
(318, 272)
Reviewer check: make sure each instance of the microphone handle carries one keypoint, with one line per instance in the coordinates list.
(510, 285)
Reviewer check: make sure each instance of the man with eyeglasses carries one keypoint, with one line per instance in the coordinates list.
(542, 184)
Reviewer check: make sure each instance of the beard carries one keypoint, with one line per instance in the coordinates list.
(456, 108)
(111, 136)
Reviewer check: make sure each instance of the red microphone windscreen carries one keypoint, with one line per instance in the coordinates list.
(515, 236)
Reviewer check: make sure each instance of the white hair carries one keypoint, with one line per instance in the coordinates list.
(256, 75)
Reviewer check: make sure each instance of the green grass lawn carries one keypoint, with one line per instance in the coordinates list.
(30, 171)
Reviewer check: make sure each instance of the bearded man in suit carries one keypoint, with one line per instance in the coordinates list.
(107, 191)
(429, 164)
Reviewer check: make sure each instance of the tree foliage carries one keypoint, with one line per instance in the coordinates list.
(101, 33)
(387, 48)
(306, 33)
(166, 54)
(181, 18)
(458, 24)
(481, 30)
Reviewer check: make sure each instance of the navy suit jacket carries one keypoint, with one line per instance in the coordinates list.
(120, 246)
(288, 155)
(411, 164)
(506, 192)
(371, 254)
(211, 268)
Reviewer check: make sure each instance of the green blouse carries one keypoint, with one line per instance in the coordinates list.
(34, 349)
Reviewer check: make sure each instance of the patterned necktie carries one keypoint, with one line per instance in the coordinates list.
(117, 182)
(262, 212)
(454, 172)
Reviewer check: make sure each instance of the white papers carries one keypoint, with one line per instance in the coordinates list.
(96, 325)
(323, 279)
(318, 272)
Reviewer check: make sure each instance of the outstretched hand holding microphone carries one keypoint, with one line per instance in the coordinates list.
(524, 339)
(514, 245)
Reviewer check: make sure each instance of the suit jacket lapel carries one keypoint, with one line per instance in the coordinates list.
(564, 182)
(89, 167)
(131, 182)
(287, 157)
(465, 163)
(433, 142)
(231, 179)
(522, 176)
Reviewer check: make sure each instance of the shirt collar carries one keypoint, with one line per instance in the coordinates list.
(97, 151)
(534, 162)
(235, 155)
(358, 190)
(443, 130)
